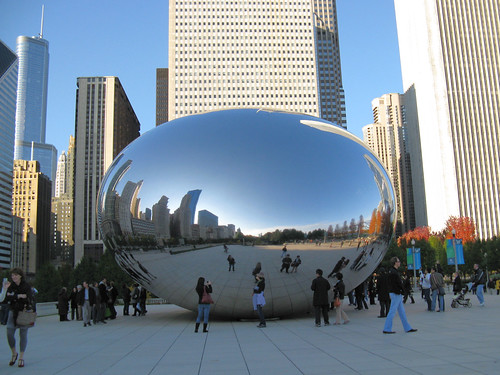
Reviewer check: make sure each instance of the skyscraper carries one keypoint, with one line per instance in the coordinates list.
(105, 124)
(161, 96)
(450, 62)
(386, 137)
(31, 108)
(8, 87)
(276, 54)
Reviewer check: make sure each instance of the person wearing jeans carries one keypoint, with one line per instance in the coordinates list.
(203, 308)
(479, 282)
(258, 298)
(437, 283)
(395, 292)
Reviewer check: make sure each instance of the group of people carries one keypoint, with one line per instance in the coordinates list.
(287, 262)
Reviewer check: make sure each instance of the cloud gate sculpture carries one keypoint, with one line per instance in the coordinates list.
(175, 197)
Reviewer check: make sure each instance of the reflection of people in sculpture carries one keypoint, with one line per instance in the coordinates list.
(285, 263)
(337, 267)
(258, 298)
(203, 289)
(357, 260)
(231, 262)
(296, 263)
(257, 269)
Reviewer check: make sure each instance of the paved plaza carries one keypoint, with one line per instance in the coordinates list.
(459, 341)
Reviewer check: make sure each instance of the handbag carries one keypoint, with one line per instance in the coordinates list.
(26, 318)
(336, 302)
(206, 298)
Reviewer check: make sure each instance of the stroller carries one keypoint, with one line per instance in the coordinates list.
(460, 300)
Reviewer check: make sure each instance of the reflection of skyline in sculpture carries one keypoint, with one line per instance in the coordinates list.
(183, 217)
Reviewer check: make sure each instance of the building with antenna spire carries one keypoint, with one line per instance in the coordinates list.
(31, 104)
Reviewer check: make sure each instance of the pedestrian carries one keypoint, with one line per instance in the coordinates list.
(19, 296)
(497, 286)
(408, 290)
(126, 299)
(372, 292)
(395, 292)
(359, 292)
(73, 305)
(87, 299)
(62, 304)
(320, 286)
(339, 292)
(203, 290)
(457, 283)
(425, 281)
(285, 263)
(257, 269)
(259, 299)
(143, 294)
(383, 292)
(112, 295)
(283, 251)
(437, 287)
(296, 263)
(225, 248)
(479, 281)
(79, 308)
(134, 299)
(231, 262)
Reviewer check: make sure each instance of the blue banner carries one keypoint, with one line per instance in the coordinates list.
(450, 251)
(409, 258)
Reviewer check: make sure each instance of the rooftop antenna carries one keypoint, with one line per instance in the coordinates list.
(41, 26)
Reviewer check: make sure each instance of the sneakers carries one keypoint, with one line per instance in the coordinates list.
(261, 325)
(481, 304)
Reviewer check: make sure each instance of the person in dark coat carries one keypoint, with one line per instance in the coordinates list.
(257, 269)
(320, 286)
(395, 292)
(457, 283)
(87, 299)
(383, 292)
(126, 298)
(359, 292)
(285, 263)
(73, 304)
(231, 261)
(62, 305)
(408, 290)
(339, 291)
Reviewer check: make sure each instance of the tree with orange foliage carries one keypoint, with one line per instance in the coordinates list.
(465, 228)
(419, 233)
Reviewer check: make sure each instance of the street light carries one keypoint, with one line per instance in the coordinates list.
(414, 265)
(453, 233)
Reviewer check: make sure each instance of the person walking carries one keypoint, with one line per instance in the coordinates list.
(320, 286)
(231, 262)
(383, 292)
(339, 292)
(425, 281)
(395, 292)
(19, 296)
(258, 298)
(203, 289)
(437, 287)
(408, 290)
(457, 283)
(479, 281)
(296, 263)
(257, 269)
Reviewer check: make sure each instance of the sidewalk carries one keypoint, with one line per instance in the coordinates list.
(459, 341)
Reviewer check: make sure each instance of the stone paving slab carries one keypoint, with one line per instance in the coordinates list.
(458, 341)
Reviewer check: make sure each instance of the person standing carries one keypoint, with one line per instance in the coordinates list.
(143, 294)
(231, 261)
(320, 286)
(258, 298)
(408, 290)
(383, 293)
(283, 251)
(19, 296)
(203, 306)
(437, 287)
(62, 304)
(425, 281)
(457, 283)
(87, 299)
(126, 299)
(112, 295)
(339, 291)
(479, 281)
(285, 263)
(73, 304)
(295, 264)
(395, 292)
(257, 269)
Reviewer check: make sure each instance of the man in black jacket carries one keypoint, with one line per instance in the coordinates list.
(320, 286)
(395, 286)
(479, 281)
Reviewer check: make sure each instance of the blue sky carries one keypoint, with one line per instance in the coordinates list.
(129, 39)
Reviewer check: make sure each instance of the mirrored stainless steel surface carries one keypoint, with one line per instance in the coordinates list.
(176, 195)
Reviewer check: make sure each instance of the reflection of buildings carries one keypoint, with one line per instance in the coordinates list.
(31, 201)
(105, 124)
(450, 66)
(8, 86)
(386, 137)
(271, 55)
(161, 218)
(183, 217)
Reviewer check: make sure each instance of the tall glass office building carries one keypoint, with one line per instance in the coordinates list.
(8, 88)
(278, 54)
(31, 112)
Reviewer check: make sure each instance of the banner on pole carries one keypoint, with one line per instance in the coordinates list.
(450, 252)
(409, 258)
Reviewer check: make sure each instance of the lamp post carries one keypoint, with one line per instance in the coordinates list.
(454, 233)
(414, 265)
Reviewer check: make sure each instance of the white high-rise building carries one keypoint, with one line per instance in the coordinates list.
(450, 62)
(61, 175)
(276, 54)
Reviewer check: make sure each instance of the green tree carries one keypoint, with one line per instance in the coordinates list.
(48, 283)
(86, 270)
(66, 273)
(109, 269)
